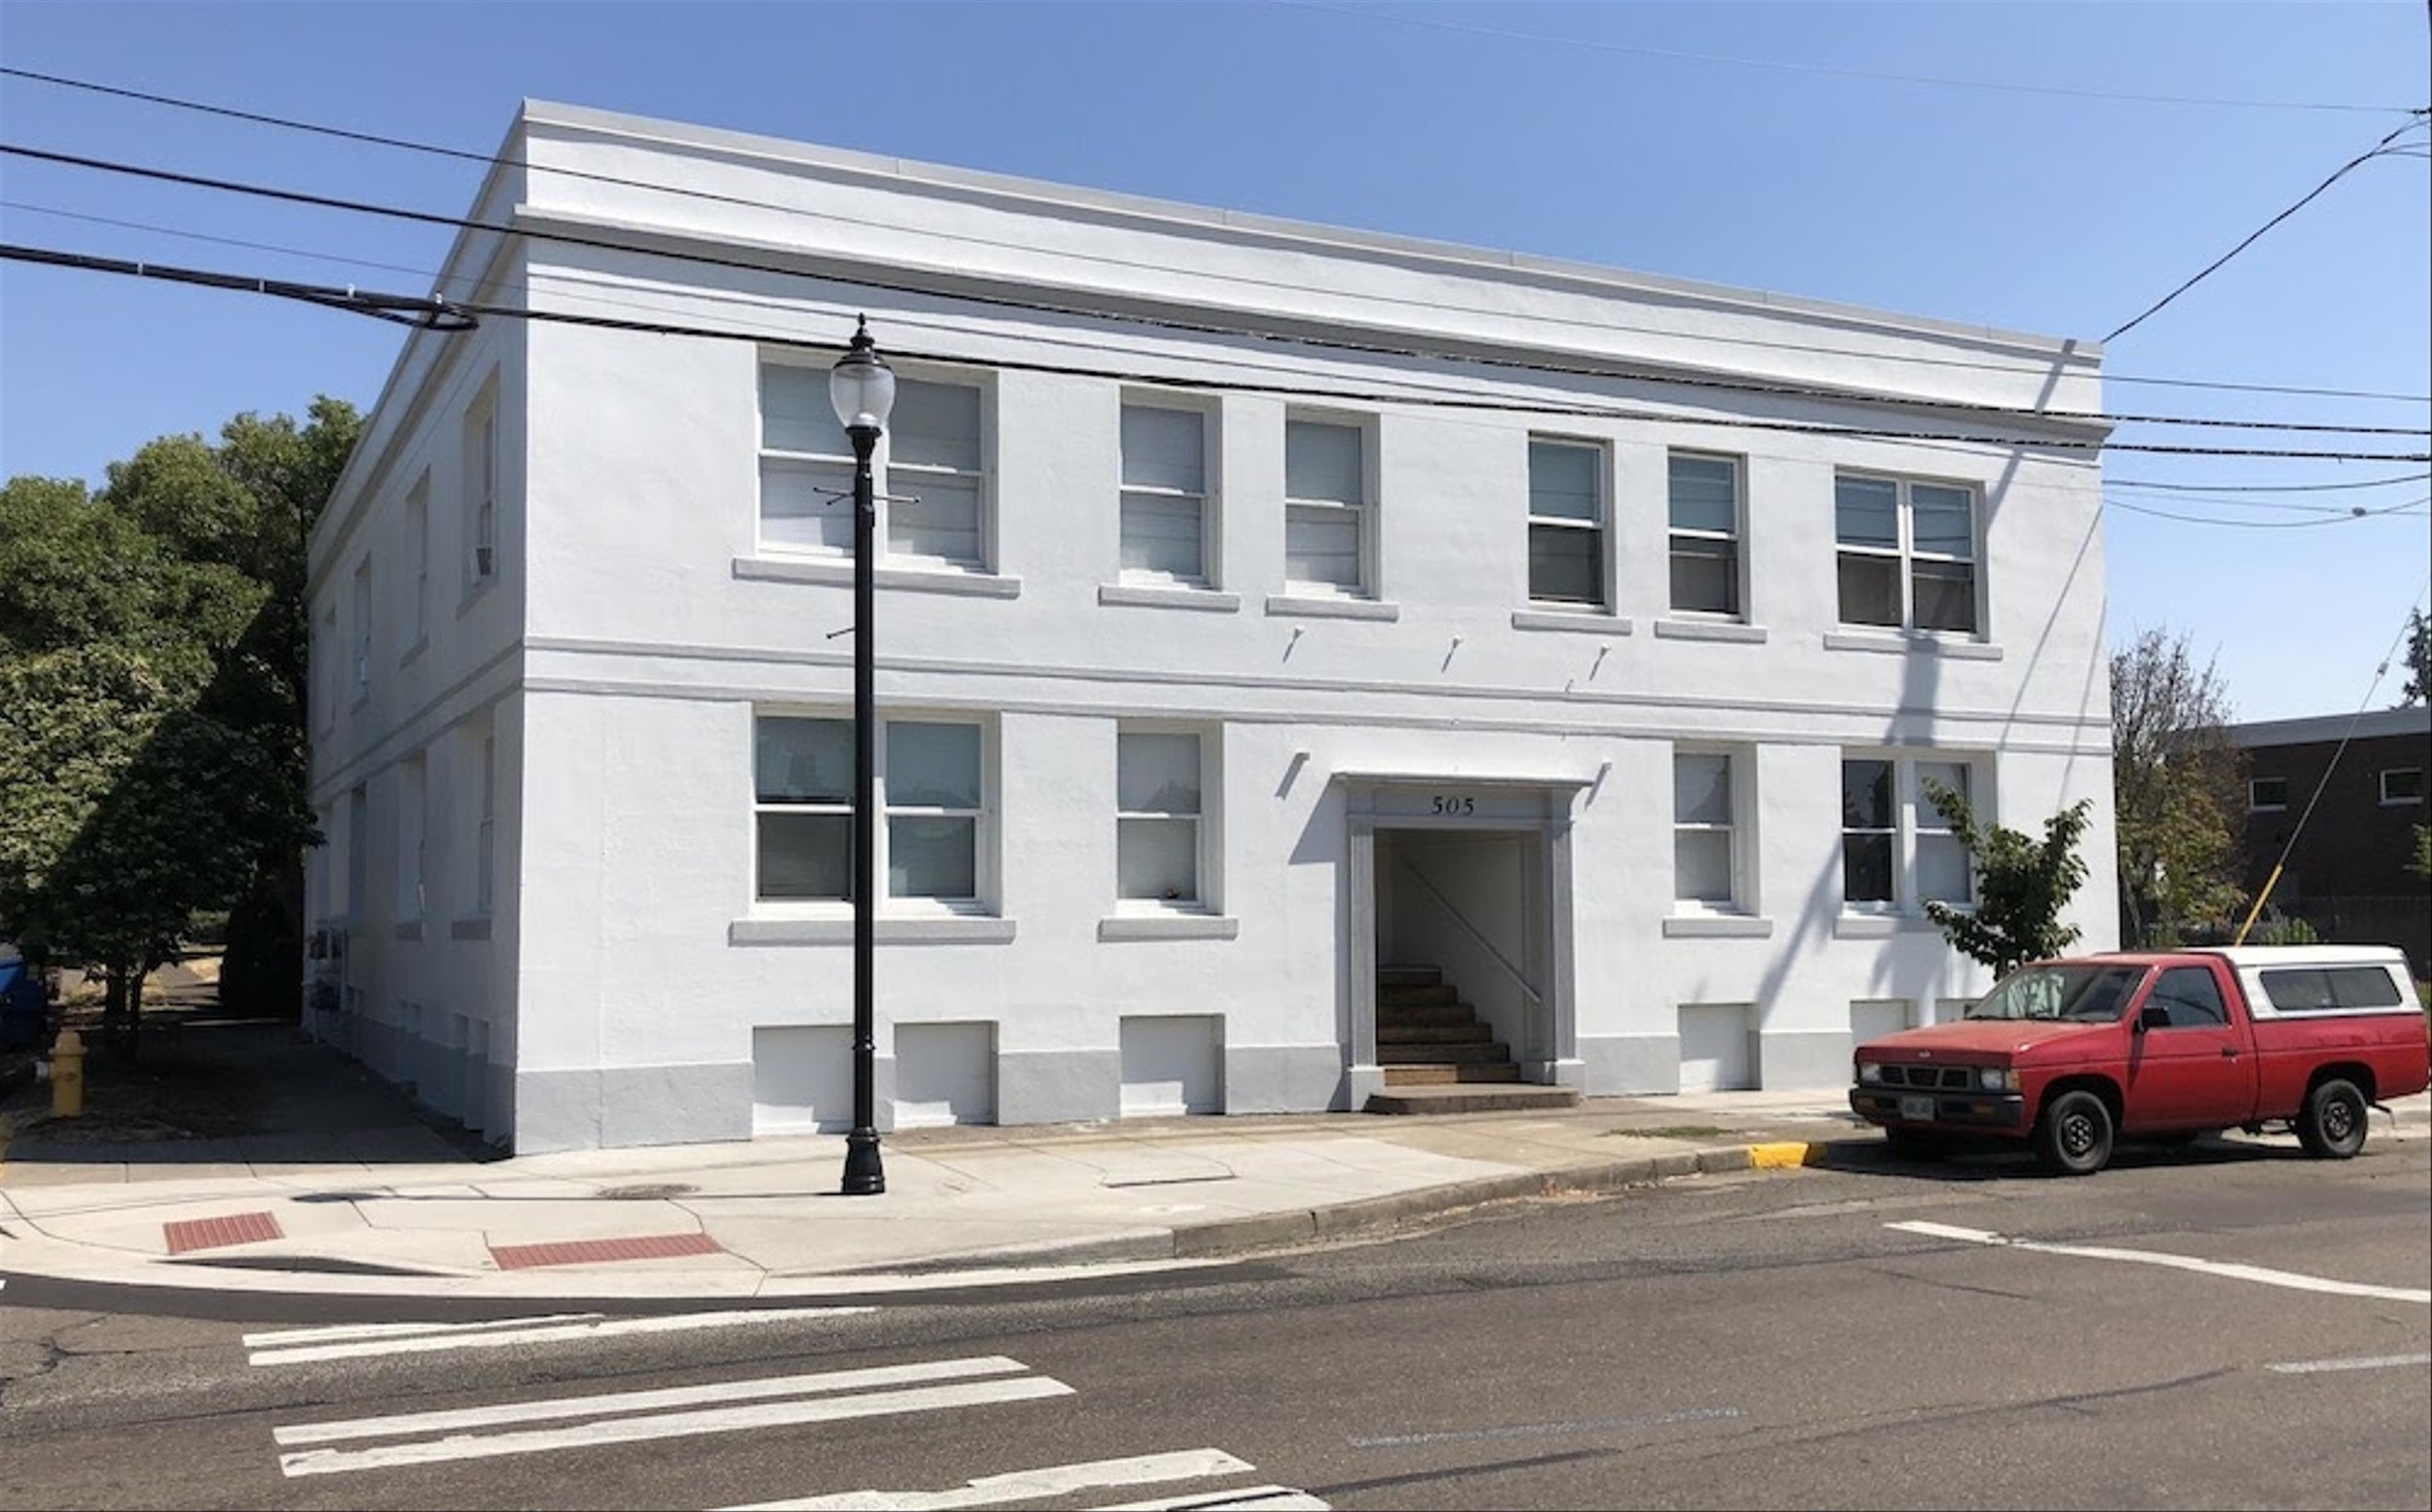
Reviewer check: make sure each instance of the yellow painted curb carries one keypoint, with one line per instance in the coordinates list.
(1786, 1155)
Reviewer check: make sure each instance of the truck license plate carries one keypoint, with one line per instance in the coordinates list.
(1918, 1110)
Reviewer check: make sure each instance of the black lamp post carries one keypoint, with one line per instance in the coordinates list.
(862, 388)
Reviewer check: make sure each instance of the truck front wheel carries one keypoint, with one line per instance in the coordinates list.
(2074, 1135)
(2332, 1125)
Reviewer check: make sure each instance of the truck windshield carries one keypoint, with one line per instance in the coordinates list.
(2081, 994)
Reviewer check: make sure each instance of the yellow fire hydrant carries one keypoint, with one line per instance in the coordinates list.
(67, 1074)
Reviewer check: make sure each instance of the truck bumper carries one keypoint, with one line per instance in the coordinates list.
(1978, 1112)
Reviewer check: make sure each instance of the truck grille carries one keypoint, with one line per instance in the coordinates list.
(1949, 1078)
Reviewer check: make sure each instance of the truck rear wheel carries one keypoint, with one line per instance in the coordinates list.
(2074, 1135)
(2331, 1127)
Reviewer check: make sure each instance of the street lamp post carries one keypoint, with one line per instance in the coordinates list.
(862, 388)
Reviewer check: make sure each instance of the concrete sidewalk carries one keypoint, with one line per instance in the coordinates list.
(762, 1219)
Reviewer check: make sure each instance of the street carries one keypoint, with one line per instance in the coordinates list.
(1847, 1337)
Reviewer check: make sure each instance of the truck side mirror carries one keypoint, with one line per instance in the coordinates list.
(2152, 1015)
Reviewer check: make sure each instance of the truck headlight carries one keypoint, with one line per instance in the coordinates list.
(1870, 1073)
(1996, 1079)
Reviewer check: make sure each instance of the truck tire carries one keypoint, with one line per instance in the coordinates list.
(2075, 1135)
(2331, 1126)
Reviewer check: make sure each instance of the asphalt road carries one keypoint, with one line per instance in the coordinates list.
(1761, 1340)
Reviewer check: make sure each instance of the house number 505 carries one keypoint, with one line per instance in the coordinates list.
(1455, 805)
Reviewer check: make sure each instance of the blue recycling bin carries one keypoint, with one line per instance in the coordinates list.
(25, 1013)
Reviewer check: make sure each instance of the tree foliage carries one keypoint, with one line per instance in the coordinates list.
(2419, 659)
(2179, 785)
(2021, 884)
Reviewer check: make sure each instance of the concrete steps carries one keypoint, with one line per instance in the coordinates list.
(1439, 1057)
(1471, 1096)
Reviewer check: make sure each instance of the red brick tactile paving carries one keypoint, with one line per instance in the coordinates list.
(212, 1233)
(582, 1252)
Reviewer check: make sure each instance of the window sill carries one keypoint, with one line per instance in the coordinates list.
(944, 928)
(413, 653)
(1585, 621)
(474, 595)
(917, 579)
(470, 929)
(1711, 630)
(1881, 926)
(1169, 926)
(1317, 607)
(1908, 643)
(1718, 927)
(409, 929)
(1169, 596)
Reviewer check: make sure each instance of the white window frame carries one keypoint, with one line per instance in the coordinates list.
(413, 838)
(1365, 512)
(1908, 803)
(326, 672)
(481, 491)
(1906, 555)
(886, 476)
(417, 527)
(1736, 535)
(1205, 831)
(984, 828)
(2383, 786)
(1601, 526)
(1209, 574)
(485, 827)
(1737, 766)
(361, 610)
(2254, 800)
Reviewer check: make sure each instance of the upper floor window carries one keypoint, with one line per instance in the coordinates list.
(1567, 523)
(1329, 527)
(2402, 784)
(1705, 838)
(1705, 509)
(930, 796)
(359, 606)
(482, 492)
(1158, 804)
(1164, 506)
(2266, 795)
(1896, 850)
(1907, 553)
(325, 665)
(929, 470)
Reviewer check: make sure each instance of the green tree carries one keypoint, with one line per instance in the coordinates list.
(2178, 784)
(2021, 884)
(2419, 659)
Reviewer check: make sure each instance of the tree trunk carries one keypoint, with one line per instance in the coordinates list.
(114, 1009)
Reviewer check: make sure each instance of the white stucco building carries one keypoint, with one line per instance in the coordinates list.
(1264, 605)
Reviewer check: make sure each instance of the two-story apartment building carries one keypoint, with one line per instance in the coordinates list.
(1263, 605)
(2356, 783)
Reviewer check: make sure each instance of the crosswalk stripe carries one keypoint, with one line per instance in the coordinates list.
(498, 1338)
(1247, 1498)
(607, 1403)
(673, 1425)
(1024, 1485)
(337, 1333)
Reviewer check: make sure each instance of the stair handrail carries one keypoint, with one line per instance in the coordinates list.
(1453, 909)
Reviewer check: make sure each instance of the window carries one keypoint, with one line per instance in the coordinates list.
(359, 606)
(1896, 850)
(1705, 502)
(413, 809)
(2266, 795)
(1907, 553)
(2319, 989)
(2402, 784)
(2191, 997)
(325, 665)
(1704, 863)
(928, 470)
(482, 493)
(485, 827)
(1164, 503)
(417, 546)
(1157, 812)
(1566, 531)
(1327, 534)
(929, 787)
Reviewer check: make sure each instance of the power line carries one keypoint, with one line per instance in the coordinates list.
(402, 310)
(2269, 488)
(2410, 509)
(1578, 369)
(458, 309)
(2377, 149)
(499, 160)
(1837, 72)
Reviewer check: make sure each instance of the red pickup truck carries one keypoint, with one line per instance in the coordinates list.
(2076, 1054)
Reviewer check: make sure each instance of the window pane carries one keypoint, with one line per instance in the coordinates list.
(1156, 773)
(1942, 520)
(806, 505)
(1865, 510)
(1870, 589)
(1865, 794)
(1322, 545)
(1164, 448)
(932, 858)
(1323, 461)
(805, 855)
(1565, 564)
(1953, 775)
(803, 761)
(1946, 595)
(795, 414)
(2402, 784)
(1941, 869)
(2267, 793)
(2362, 986)
(933, 516)
(1702, 865)
(1161, 535)
(1157, 859)
(1705, 575)
(2191, 998)
(1701, 789)
(932, 766)
(935, 425)
(1867, 868)
(1564, 482)
(1705, 493)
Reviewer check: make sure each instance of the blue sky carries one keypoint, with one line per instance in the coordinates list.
(1603, 132)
